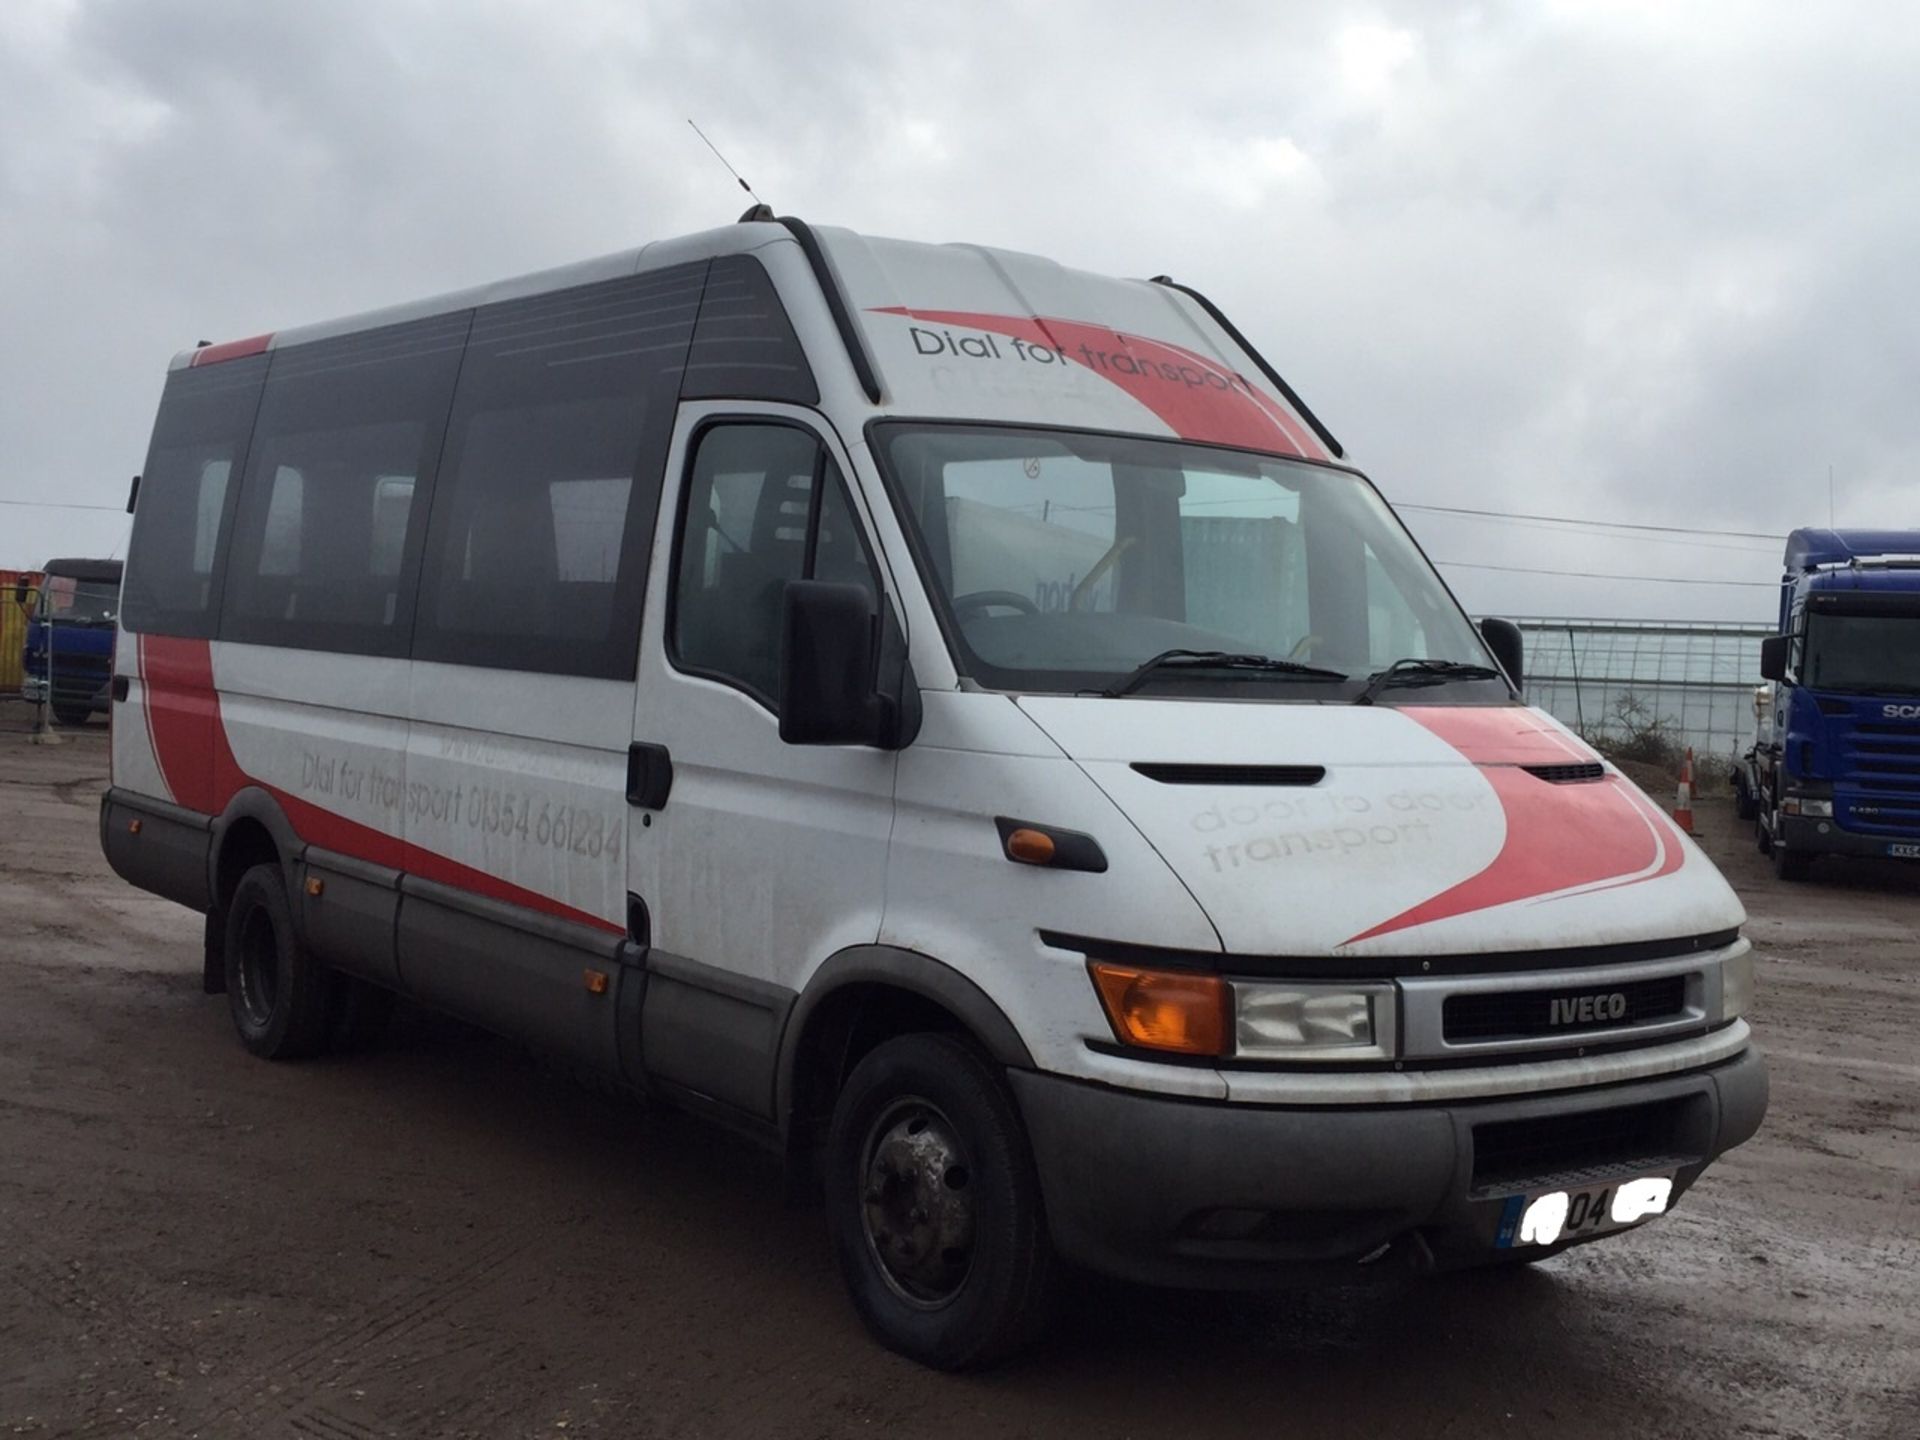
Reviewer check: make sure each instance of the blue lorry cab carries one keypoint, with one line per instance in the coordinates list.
(74, 621)
(1840, 773)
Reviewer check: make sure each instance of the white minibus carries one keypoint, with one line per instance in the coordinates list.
(958, 720)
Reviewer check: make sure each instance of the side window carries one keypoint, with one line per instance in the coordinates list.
(199, 441)
(765, 504)
(349, 430)
(536, 552)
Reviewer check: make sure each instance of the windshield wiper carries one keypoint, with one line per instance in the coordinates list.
(1414, 671)
(1214, 660)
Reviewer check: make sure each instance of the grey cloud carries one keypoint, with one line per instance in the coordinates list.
(1638, 262)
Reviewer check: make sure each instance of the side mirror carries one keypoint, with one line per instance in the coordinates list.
(21, 590)
(1773, 657)
(829, 644)
(1503, 638)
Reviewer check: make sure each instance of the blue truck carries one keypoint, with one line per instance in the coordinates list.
(73, 624)
(1837, 772)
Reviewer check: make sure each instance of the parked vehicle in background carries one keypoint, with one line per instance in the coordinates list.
(958, 720)
(1839, 773)
(71, 628)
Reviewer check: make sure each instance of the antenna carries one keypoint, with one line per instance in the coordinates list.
(1829, 497)
(724, 161)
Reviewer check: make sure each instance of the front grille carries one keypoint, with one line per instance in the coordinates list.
(1532, 1014)
(1878, 788)
(1509, 1150)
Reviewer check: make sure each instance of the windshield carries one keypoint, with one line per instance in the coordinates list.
(1873, 654)
(1066, 560)
(67, 601)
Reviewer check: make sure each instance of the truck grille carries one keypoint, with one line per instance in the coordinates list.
(1532, 1014)
(1878, 788)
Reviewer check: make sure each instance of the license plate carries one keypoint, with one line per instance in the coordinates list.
(1547, 1217)
(1904, 852)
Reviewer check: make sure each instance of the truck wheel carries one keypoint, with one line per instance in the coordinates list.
(276, 989)
(934, 1206)
(72, 715)
(1762, 834)
(1791, 864)
(1743, 805)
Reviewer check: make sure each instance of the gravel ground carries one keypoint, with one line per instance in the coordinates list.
(444, 1239)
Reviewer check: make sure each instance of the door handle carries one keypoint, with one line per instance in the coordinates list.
(649, 775)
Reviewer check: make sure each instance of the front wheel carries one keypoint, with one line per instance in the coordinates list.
(1791, 865)
(934, 1206)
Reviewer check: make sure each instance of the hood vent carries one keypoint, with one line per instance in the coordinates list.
(1233, 774)
(1567, 774)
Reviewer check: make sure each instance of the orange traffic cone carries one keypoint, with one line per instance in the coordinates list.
(1683, 800)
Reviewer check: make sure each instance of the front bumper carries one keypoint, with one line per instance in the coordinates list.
(1825, 837)
(1180, 1192)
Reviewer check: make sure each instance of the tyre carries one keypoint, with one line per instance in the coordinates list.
(277, 991)
(72, 715)
(1791, 865)
(1762, 833)
(1743, 805)
(934, 1207)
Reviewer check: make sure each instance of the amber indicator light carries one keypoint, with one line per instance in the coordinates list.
(1030, 846)
(596, 982)
(1165, 1009)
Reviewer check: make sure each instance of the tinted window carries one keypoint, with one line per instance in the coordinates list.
(744, 347)
(199, 440)
(748, 527)
(536, 553)
(348, 436)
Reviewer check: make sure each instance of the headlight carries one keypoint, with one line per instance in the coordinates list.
(1802, 805)
(1282, 1021)
(1736, 985)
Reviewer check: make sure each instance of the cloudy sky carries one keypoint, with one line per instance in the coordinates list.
(1653, 262)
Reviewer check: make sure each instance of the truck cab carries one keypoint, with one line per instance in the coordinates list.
(1838, 772)
(68, 657)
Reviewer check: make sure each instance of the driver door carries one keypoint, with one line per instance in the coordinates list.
(750, 860)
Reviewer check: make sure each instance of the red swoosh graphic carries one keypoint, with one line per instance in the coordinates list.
(1193, 395)
(1559, 837)
(197, 762)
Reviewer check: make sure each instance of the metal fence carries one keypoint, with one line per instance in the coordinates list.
(1606, 678)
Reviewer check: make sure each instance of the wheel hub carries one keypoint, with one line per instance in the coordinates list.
(918, 1203)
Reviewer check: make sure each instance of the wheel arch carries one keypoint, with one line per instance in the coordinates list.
(858, 998)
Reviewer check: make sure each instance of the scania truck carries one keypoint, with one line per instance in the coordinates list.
(959, 720)
(1838, 770)
(68, 657)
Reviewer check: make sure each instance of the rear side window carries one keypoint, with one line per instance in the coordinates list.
(186, 490)
(536, 553)
(330, 514)
(765, 504)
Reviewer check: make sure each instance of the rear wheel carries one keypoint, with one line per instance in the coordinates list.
(934, 1207)
(72, 714)
(277, 991)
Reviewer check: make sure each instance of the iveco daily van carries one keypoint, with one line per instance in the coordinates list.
(958, 719)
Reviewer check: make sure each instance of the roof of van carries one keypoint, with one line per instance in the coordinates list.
(959, 332)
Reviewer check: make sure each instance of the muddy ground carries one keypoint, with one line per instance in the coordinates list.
(444, 1239)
